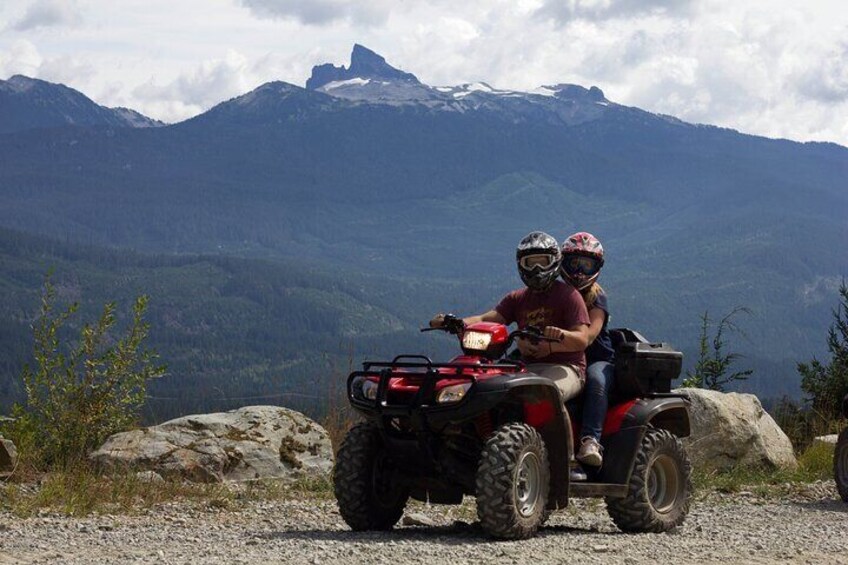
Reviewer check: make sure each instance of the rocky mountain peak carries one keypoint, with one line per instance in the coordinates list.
(364, 64)
(19, 83)
(27, 103)
(576, 92)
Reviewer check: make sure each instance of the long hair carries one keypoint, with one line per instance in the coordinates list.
(590, 295)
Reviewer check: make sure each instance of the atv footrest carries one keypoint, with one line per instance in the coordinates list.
(594, 490)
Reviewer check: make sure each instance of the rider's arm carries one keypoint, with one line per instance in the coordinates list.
(597, 316)
(575, 338)
(490, 316)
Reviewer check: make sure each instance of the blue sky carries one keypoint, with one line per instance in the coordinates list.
(777, 68)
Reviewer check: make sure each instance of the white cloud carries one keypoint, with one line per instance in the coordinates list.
(570, 10)
(828, 80)
(206, 85)
(49, 13)
(22, 58)
(769, 67)
(320, 12)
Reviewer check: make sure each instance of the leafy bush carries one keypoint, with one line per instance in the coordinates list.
(827, 384)
(80, 392)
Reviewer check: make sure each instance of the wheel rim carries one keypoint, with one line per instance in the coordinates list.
(663, 484)
(528, 479)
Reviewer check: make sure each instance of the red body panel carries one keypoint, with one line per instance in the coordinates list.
(615, 416)
(537, 414)
(404, 382)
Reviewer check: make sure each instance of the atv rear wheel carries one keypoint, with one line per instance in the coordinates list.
(513, 481)
(660, 487)
(366, 485)
(840, 465)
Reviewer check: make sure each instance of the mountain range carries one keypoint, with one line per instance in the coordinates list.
(369, 172)
(27, 103)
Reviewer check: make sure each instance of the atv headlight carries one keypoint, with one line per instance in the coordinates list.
(476, 341)
(369, 390)
(363, 389)
(453, 393)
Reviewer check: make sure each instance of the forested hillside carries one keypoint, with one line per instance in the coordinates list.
(353, 210)
(232, 331)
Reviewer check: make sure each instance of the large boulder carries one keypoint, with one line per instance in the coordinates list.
(249, 443)
(732, 429)
(8, 456)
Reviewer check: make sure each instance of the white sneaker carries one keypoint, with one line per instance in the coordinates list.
(590, 452)
(578, 474)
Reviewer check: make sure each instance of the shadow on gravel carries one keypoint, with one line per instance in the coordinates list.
(454, 534)
(829, 505)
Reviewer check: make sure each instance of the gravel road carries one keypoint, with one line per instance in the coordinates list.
(809, 526)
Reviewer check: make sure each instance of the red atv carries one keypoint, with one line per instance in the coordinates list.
(483, 425)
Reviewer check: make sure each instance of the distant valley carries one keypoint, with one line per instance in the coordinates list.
(370, 200)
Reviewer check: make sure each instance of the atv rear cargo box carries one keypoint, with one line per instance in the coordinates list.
(642, 367)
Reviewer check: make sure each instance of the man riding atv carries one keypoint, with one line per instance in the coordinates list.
(550, 305)
(487, 425)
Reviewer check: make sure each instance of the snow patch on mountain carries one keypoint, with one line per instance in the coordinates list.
(349, 82)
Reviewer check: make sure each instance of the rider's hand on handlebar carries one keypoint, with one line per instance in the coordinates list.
(554, 333)
(438, 321)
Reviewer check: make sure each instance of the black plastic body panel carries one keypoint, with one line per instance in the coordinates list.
(415, 449)
(643, 368)
(417, 446)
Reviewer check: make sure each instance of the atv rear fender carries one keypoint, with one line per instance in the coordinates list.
(667, 412)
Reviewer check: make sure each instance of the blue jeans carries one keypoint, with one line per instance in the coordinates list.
(599, 376)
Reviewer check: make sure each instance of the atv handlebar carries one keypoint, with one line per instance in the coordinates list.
(533, 334)
(453, 325)
(450, 324)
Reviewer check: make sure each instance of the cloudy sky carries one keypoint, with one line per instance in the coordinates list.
(771, 67)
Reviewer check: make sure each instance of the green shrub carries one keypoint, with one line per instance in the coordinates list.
(711, 370)
(827, 383)
(80, 391)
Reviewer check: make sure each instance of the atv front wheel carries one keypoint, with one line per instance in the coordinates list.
(840, 465)
(366, 485)
(513, 481)
(660, 486)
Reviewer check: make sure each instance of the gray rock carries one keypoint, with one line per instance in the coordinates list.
(417, 519)
(8, 456)
(730, 429)
(149, 477)
(254, 442)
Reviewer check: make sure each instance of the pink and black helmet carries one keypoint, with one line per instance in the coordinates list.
(582, 259)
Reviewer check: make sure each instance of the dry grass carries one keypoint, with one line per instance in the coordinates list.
(83, 491)
(815, 463)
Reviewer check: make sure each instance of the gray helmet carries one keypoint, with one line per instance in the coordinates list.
(538, 256)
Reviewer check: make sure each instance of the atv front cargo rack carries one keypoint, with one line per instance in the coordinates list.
(431, 375)
(426, 363)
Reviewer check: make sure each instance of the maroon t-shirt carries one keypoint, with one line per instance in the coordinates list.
(561, 306)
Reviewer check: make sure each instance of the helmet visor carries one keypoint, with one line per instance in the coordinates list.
(580, 265)
(541, 260)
